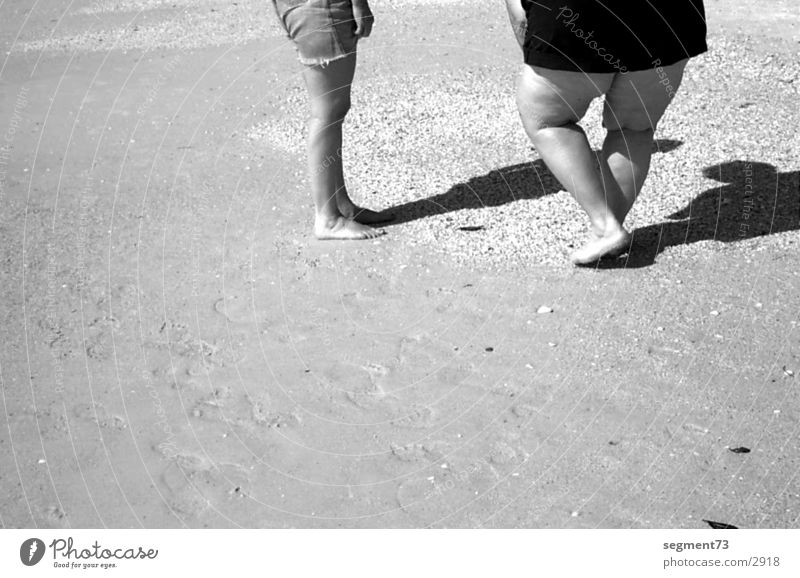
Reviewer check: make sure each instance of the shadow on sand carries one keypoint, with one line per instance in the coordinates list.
(513, 183)
(752, 200)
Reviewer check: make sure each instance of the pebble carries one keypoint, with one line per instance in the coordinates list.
(544, 309)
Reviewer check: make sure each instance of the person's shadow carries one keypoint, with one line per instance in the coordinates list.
(753, 200)
(513, 183)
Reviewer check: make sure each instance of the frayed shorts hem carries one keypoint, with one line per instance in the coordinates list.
(322, 31)
(322, 62)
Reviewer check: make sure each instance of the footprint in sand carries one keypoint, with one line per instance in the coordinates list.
(186, 383)
(195, 484)
(509, 390)
(97, 413)
(285, 420)
(122, 300)
(418, 417)
(50, 517)
(198, 368)
(183, 497)
(423, 353)
(96, 351)
(440, 492)
(260, 408)
(503, 454)
(425, 452)
(262, 415)
(211, 406)
(236, 309)
(524, 410)
(198, 353)
(375, 395)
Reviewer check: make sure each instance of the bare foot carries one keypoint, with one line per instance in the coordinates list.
(343, 229)
(361, 215)
(608, 245)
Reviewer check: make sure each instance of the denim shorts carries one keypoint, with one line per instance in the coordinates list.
(322, 30)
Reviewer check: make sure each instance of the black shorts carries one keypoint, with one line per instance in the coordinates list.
(613, 35)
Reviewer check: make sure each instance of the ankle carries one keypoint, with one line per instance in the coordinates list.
(343, 201)
(327, 218)
(607, 226)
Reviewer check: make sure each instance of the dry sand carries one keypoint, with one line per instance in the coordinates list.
(178, 352)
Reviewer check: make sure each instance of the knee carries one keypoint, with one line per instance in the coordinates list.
(637, 116)
(331, 108)
(538, 115)
(541, 108)
(629, 120)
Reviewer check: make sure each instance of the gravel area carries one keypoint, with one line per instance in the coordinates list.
(447, 149)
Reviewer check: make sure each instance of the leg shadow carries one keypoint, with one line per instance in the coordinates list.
(753, 200)
(498, 187)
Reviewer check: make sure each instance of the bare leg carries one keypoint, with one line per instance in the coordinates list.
(329, 91)
(634, 104)
(349, 209)
(550, 103)
(626, 161)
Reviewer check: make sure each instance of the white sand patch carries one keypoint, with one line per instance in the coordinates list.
(108, 6)
(187, 30)
(186, 24)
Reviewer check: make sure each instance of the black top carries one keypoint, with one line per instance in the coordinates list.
(613, 35)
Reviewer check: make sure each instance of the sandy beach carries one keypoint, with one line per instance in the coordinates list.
(177, 351)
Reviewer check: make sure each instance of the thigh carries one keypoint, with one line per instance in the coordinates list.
(637, 100)
(549, 97)
(329, 86)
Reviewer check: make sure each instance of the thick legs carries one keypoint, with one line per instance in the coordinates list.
(634, 104)
(550, 104)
